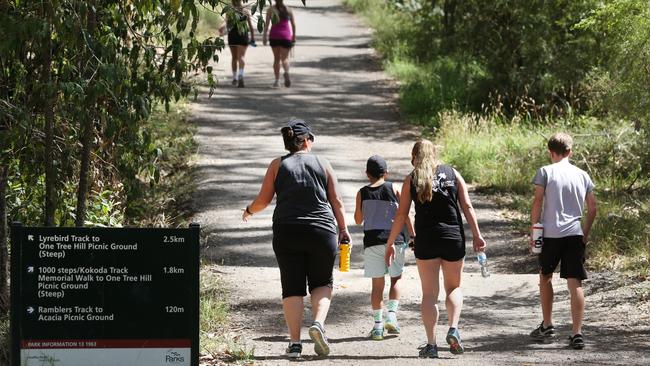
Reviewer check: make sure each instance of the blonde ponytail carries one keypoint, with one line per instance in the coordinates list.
(425, 165)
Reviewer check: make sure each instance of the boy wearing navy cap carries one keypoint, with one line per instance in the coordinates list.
(376, 207)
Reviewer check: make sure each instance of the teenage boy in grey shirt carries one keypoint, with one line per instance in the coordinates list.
(561, 191)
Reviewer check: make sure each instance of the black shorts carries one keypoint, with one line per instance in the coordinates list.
(569, 252)
(450, 250)
(236, 39)
(284, 43)
(305, 255)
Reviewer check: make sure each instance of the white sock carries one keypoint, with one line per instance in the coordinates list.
(234, 75)
(378, 316)
(241, 73)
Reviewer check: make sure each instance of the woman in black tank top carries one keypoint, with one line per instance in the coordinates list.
(440, 194)
(308, 224)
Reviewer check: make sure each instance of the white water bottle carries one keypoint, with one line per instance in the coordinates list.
(538, 238)
(482, 260)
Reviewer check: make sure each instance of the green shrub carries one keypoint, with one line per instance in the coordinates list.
(429, 89)
(503, 157)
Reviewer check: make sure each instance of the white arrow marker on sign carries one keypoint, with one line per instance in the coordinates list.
(30, 269)
(30, 310)
(30, 237)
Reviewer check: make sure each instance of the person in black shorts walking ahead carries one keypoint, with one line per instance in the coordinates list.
(239, 25)
(308, 224)
(282, 38)
(561, 191)
(439, 193)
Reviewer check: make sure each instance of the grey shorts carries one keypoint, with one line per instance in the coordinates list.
(375, 266)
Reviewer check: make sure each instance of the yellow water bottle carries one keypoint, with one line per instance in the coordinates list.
(344, 255)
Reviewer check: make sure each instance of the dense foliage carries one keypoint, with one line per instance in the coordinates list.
(493, 79)
(79, 80)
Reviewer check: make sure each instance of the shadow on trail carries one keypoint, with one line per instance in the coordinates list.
(332, 109)
(597, 339)
(336, 357)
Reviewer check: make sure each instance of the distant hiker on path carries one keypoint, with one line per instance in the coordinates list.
(282, 38)
(376, 206)
(439, 193)
(561, 191)
(239, 26)
(305, 231)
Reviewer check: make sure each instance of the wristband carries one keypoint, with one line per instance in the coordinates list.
(248, 211)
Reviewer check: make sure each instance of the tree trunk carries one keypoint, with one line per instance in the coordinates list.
(48, 111)
(449, 24)
(4, 251)
(87, 125)
(84, 171)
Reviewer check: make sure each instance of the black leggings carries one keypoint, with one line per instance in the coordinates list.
(305, 255)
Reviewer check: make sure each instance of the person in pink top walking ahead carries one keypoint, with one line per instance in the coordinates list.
(282, 38)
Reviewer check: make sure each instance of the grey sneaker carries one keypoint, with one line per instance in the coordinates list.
(294, 350)
(276, 84)
(240, 83)
(453, 338)
(429, 351)
(541, 333)
(317, 334)
(234, 82)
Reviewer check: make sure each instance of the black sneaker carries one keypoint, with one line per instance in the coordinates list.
(429, 351)
(541, 333)
(240, 83)
(577, 342)
(317, 334)
(294, 350)
(287, 80)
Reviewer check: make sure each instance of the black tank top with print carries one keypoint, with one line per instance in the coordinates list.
(439, 218)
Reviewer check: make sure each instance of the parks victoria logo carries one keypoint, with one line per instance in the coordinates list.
(174, 358)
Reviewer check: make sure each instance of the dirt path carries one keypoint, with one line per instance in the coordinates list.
(340, 89)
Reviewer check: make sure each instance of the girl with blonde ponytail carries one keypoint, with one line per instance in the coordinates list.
(439, 193)
(425, 164)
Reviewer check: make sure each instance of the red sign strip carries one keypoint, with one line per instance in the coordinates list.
(104, 343)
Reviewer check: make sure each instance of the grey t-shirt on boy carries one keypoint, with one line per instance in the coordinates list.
(566, 187)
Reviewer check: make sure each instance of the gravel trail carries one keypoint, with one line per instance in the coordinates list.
(338, 86)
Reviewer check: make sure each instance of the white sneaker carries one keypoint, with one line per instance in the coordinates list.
(276, 84)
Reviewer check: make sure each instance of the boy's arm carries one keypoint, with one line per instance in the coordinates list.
(536, 210)
(409, 221)
(399, 220)
(591, 215)
(538, 201)
(358, 211)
